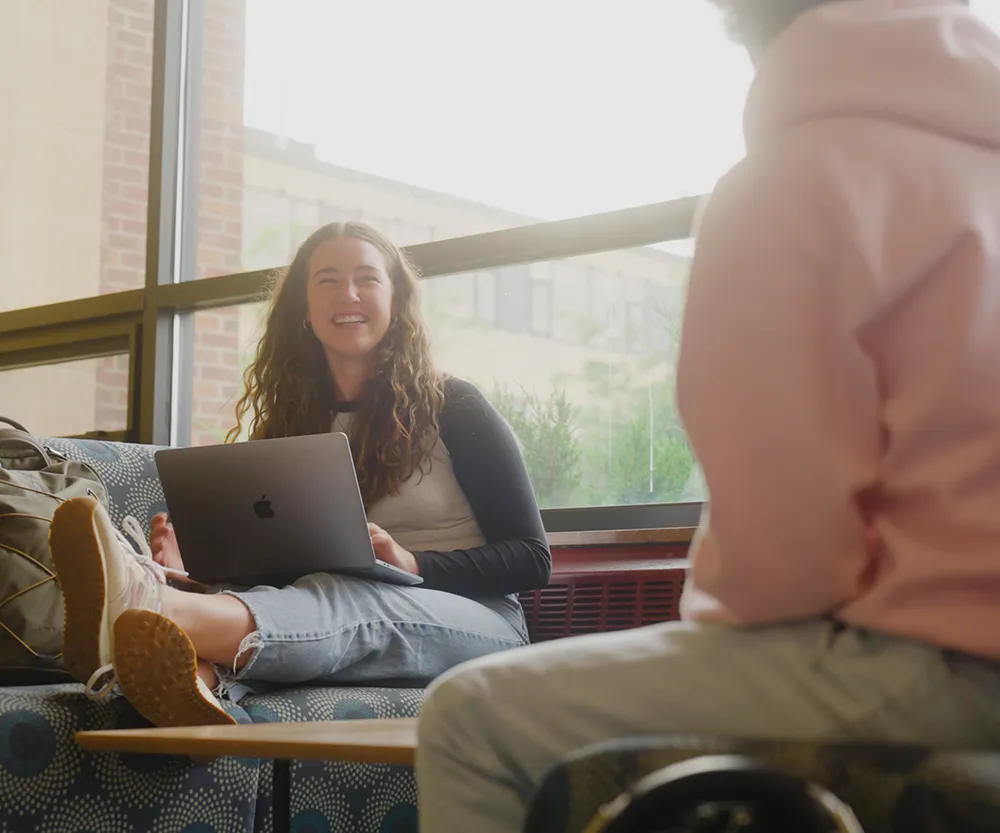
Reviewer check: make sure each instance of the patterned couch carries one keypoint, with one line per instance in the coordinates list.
(47, 783)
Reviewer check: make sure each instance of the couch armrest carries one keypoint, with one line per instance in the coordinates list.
(891, 788)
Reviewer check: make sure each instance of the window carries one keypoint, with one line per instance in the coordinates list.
(486, 296)
(597, 426)
(75, 80)
(513, 299)
(597, 423)
(272, 88)
(451, 298)
(228, 113)
(540, 306)
(68, 398)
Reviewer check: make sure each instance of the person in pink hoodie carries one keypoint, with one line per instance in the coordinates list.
(839, 379)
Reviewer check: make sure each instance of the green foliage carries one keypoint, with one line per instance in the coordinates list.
(636, 451)
(547, 434)
(622, 449)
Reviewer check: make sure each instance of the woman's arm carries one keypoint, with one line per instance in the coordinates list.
(490, 470)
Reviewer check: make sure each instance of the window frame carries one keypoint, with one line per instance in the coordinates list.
(155, 323)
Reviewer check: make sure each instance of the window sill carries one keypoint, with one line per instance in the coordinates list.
(622, 537)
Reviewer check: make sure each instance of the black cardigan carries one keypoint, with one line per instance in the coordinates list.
(490, 470)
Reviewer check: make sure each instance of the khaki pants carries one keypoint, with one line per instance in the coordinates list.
(490, 729)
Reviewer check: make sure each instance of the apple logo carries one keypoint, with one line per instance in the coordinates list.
(262, 508)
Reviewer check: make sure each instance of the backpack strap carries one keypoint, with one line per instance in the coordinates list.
(14, 424)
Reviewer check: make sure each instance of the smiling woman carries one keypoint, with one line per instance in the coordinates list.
(344, 348)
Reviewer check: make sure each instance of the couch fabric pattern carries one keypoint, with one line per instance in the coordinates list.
(47, 783)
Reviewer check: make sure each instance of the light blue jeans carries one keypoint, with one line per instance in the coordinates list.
(335, 629)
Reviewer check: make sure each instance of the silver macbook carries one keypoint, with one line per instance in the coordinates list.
(270, 511)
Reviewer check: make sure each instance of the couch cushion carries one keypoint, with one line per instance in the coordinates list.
(342, 797)
(48, 783)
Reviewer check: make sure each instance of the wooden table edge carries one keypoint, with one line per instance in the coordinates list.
(175, 742)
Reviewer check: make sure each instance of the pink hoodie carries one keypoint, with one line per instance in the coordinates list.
(840, 363)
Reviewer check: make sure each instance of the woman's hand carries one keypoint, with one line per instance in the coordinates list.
(387, 550)
(163, 543)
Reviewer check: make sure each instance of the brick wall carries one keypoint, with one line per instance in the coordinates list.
(126, 173)
(220, 197)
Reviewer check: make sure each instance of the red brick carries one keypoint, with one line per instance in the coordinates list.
(226, 177)
(140, 8)
(137, 40)
(224, 339)
(211, 191)
(139, 159)
(140, 55)
(219, 208)
(135, 192)
(208, 408)
(137, 125)
(206, 389)
(133, 108)
(219, 374)
(127, 242)
(117, 137)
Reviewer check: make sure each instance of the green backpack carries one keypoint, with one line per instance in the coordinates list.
(34, 480)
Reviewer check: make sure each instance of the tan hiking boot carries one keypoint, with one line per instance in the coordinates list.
(101, 577)
(157, 669)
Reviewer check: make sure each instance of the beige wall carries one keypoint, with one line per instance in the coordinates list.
(53, 60)
(51, 400)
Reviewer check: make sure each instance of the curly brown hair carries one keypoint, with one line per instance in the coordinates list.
(289, 390)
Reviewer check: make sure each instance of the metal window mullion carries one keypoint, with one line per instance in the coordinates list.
(625, 229)
(183, 347)
(162, 218)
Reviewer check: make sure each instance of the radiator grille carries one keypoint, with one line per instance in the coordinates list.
(602, 601)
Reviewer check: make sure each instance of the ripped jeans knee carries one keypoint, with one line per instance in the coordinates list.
(229, 685)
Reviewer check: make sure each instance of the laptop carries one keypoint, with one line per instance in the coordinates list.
(270, 511)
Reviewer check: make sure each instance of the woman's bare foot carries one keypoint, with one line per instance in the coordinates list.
(163, 543)
(208, 674)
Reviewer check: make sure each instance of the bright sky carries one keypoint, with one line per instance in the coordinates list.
(550, 108)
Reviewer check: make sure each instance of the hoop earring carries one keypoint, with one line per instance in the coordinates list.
(305, 324)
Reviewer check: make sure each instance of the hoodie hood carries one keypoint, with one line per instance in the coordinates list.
(929, 64)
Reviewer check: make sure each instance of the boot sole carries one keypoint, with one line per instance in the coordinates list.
(76, 555)
(157, 669)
